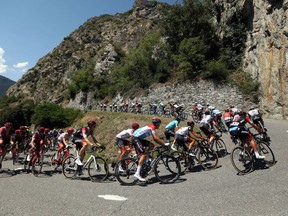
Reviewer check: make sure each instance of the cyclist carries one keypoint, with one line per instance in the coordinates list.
(62, 142)
(184, 136)
(228, 117)
(122, 140)
(170, 129)
(5, 139)
(140, 142)
(38, 139)
(206, 125)
(18, 138)
(80, 139)
(238, 130)
(256, 117)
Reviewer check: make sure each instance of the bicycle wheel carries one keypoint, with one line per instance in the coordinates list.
(265, 150)
(125, 170)
(37, 164)
(69, 167)
(182, 159)
(221, 148)
(98, 169)
(167, 169)
(207, 158)
(241, 160)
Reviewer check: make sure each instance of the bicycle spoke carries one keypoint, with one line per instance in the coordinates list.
(167, 169)
(98, 169)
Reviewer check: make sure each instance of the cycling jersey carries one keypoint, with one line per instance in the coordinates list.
(5, 135)
(125, 134)
(172, 125)
(207, 119)
(254, 114)
(83, 133)
(145, 132)
(62, 136)
(183, 131)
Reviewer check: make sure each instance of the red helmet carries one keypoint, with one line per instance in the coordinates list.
(135, 125)
(156, 120)
(8, 124)
(70, 130)
(46, 130)
(17, 131)
(91, 122)
(41, 129)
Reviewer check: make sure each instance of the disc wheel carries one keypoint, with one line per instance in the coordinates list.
(98, 169)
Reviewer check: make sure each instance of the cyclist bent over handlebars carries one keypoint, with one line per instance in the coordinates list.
(80, 138)
(139, 141)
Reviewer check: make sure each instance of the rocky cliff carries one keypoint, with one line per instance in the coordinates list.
(100, 39)
(266, 53)
(5, 83)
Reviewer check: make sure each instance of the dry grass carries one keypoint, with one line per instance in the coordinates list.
(109, 124)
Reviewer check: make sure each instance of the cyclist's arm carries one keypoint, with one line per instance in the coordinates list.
(196, 135)
(157, 139)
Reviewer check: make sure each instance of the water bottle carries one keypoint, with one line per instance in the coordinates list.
(148, 162)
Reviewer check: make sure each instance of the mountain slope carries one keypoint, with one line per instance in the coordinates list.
(5, 84)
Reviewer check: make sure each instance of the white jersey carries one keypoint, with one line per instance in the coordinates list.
(207, 119)
(64, 135)
(125, 134)
(183, 131)
(253, 113)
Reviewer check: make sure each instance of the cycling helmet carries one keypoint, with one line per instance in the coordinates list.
(251, 108)
(207, 112)
(156, 120)
(70, 130)
(23, 128)
(8, 124)
(47, 130)
(135, 125)
(91, 123)
(17, 131)
(41, 129)
(190, 123)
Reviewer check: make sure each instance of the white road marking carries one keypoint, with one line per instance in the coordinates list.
(113, 197)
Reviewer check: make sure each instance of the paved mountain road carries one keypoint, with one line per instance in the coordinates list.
(217, 192)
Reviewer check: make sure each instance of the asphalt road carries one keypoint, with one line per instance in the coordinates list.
(217, 192)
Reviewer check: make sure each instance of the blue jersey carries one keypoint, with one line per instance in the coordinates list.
(172, 125)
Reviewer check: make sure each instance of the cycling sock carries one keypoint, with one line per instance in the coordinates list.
(138, 170)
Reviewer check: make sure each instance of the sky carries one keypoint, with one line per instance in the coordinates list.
(30, 29)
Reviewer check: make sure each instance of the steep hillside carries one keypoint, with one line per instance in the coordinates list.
(5, 84)
(98, 42)
(101, 41)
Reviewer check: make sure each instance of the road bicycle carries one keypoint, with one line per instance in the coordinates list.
(243, 158)
(205, 156)
(218, 145)
(36, 161)
(97, 166)
(165, 167)
(61, 157)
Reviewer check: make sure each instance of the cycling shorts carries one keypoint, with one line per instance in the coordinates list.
(121, 142)
(139, 144)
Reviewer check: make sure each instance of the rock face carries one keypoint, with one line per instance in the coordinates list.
(266, 53)
(5, 83)
(100, 38)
